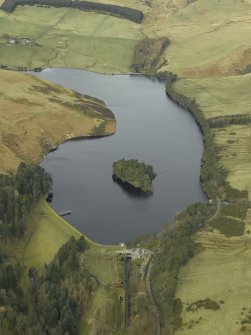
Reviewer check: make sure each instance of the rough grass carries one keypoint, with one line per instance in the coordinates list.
(205, 36)
(219, 96)
(220, 272)
(102, 311)
(234, 155)
(102, 266)
(36, 116)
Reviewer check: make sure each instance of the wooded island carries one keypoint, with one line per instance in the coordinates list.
(139, 175)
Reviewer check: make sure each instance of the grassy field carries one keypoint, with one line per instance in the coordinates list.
(36, 116)
(47, 232)
(205, 36)
(64, 37)
(221, 97)
(220, 272)
(102, 266)
(67, 38)
(234, 143)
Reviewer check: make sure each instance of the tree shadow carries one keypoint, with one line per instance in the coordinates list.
(131, 191)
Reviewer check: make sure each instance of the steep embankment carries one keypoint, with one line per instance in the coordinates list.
(36, 116)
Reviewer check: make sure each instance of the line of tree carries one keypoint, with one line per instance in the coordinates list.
(120, 11)
(228, 120)
(19, 195)
(147, 56)
(213, 176)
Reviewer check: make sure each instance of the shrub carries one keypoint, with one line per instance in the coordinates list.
(235, 210)
(229, 227)
(205, 303)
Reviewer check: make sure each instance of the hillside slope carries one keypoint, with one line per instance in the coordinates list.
(36, 116)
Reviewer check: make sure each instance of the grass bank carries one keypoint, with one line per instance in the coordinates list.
(36, 116)
(47, 232)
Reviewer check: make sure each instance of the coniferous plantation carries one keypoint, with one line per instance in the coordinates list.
(19, 195)
(45, 300)
(139, 175)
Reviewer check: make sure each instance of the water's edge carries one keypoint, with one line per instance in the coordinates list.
(91, 137)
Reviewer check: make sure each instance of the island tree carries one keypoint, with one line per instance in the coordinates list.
(139, 175)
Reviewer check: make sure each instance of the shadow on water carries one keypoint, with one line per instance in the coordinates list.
(131, 191)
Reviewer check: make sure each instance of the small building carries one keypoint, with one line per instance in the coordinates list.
(24, 40)
(122, 245)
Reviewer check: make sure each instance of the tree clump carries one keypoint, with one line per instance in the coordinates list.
(149, 55)
(139, 175)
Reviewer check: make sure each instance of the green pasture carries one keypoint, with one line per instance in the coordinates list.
(220, 272)
(208, 37)
(219, 96)
(47, 232)
(67, 38)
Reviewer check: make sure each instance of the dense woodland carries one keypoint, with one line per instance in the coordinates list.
(48, 300)
(19, 194)
(139, 175)
(44, 301)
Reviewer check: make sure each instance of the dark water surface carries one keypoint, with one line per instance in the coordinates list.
(151, 128)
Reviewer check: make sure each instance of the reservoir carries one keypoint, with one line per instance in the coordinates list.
(150, 128)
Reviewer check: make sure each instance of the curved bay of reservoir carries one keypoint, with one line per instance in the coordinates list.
(151, 128)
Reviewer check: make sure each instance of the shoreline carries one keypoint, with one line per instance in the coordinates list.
(175, 100)
(54, 148)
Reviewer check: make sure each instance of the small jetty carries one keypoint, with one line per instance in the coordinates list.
(64, 213)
